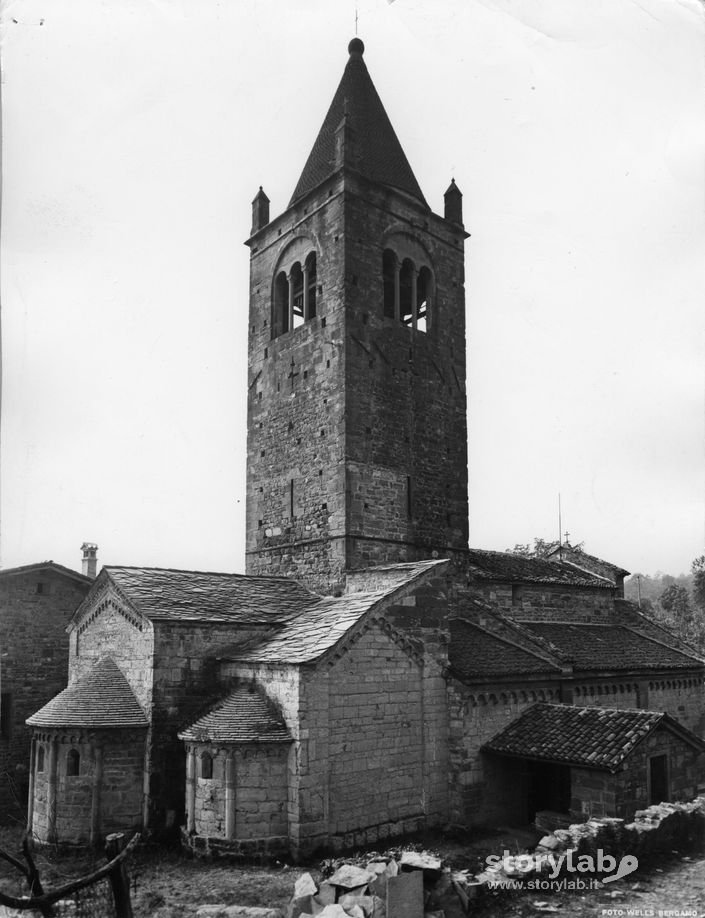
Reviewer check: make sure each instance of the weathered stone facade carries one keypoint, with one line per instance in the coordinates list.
(357, 435)
(36, 603)
(350, 688)
(86, 784)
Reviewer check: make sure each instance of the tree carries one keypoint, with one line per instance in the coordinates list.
(698, 571)
(540, 550)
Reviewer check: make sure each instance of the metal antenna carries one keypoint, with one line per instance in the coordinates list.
(560, 529)
(356, 20)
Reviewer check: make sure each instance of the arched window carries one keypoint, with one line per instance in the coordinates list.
(407, 291)
(296, 279)
(389, 273)
(423, 299)
(206, 765)
(40, 758)
(73, 763)
(294, 296)
(310, 278)
(280, 316)
(407, 276)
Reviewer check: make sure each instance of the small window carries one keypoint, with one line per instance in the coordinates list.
(73, 763)
(206, 765)
(40, 759)
(517, 594)
(658, 779)
(40, 587)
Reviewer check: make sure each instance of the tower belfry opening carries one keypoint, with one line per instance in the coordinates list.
(361, 286)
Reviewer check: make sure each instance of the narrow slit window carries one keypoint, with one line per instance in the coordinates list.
(206, 765)
(40, 759)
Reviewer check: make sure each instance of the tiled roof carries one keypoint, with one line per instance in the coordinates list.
(388, 576)
(101, 697)
(593, 737)
(577, 553)
(475, 653)
(609, 647)
(245, 716)
(309, 636)
(501, 565)
(161, 593)
(378, 154)
(47, 565)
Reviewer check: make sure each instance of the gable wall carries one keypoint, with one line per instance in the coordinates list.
(110, 628)
(187, 681)
(547, 602)
(374, 740)
(35, 654)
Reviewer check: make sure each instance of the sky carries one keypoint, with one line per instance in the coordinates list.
(137, 132)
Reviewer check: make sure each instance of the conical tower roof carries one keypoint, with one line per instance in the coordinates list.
(378, 153)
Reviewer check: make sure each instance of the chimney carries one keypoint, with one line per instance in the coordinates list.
(90, 561)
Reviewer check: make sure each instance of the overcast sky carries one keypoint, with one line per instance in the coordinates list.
(135, 135)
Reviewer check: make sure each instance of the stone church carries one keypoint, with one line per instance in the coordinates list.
(370, 675)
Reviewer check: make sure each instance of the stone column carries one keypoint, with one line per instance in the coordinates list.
(191, 790)
(290, 279)
(51, 790)
(305, 279)
(96, 792)
(414, 304)
(230, 794)
(32, 773)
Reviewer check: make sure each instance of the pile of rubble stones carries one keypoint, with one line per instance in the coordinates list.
(385, 887)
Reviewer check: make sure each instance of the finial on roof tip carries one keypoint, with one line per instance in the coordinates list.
(356, 46)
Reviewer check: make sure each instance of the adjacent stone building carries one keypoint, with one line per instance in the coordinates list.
(370, 675)
(36, 603)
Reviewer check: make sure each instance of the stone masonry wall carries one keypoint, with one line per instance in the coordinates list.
(187, 682)
(685, 769)
(547, 602)
(296, 402)
(356, 424)
(260, 793)
(110, 628)
(366, 745)
(475, 717)
(35, 607)
(406, 431)
(121, 784)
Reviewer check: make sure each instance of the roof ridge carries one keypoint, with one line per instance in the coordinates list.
(38, 565)
(183, 570)
(518, 646)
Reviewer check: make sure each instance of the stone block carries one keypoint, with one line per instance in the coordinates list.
(405, 895)
(247, 911)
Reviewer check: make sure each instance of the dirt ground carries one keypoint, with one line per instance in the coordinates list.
(167, 884)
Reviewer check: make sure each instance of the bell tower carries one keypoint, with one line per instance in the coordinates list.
(357, 433)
